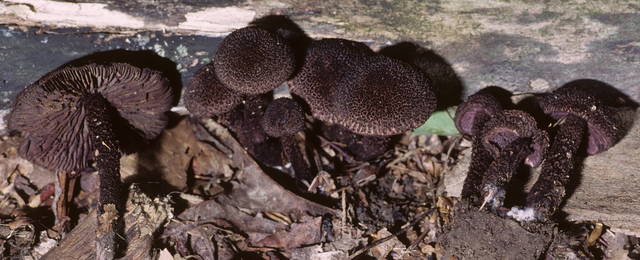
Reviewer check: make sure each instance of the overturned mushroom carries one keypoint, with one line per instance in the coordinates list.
(71, 117)
(581, 116)
(511, 137)
(284, 118)
(347, 84)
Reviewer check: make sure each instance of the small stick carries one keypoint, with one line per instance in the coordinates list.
(387, 238)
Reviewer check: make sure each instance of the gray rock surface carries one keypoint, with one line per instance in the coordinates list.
(523, 46)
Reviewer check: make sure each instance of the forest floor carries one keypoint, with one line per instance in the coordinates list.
(195, 193)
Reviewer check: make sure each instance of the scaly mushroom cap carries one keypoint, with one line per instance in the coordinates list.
(510, 125)
(327, 61)
(478, 106)
(206, 96)
(52, 116)
(346, 83)
(383, 97)
(283, 117)
(252, 60)
(604, 126)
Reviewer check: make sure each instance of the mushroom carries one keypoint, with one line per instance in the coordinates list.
(284, 118)
(580, 116)
(206, 96)
(236, 86)
(253, 60)
(511, 137)
(346, 84)
(470, 119)
(70, 116)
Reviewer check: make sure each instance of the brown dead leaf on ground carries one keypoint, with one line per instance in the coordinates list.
(255, 208)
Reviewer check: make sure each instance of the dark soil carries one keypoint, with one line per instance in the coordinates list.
(475, 233)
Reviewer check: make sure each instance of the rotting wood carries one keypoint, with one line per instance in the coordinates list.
(144, 215)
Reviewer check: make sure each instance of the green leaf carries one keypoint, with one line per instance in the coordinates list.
(440, 123)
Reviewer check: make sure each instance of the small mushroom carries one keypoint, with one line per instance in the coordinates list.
(69, 118)
(470, 119)
(283, 119)
(345, 83)
(511, 137)
(580, 116)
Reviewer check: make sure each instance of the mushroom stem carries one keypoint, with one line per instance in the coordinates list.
(502, 169)
(548, 192)
(294, 155)
(107, 157)
(480, 160)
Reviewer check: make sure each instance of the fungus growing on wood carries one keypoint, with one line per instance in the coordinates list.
(580, 116)
(511, 137)
(347, 84)
(253, 60)
(470, 119)
(69, 118)
(283, 119)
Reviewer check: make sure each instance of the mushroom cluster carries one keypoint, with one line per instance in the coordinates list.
(502, 141)
(362, 98)
(236, 87)
(505, 139)
(76, 117)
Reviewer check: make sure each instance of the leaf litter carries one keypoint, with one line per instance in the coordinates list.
(197, 194)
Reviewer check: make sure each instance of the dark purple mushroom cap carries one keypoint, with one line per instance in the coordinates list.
(477, 107)
(206, 96)
(346, 83)
(603, 124)
(327, 61)
(51, 114)
(383, 97)
(252, 60)
(510, 125)
(283, 117)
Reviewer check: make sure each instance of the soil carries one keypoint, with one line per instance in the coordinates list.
(476, 233)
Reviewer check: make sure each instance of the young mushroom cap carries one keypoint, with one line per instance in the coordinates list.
(51, 114)
(283, 117)
(252, 60)
(604, 127)
(206, 96)
(511, 125)
(478, 107)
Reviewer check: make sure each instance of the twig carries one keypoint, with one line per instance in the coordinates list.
(347, 157)
(415, 243)
(385, 239)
